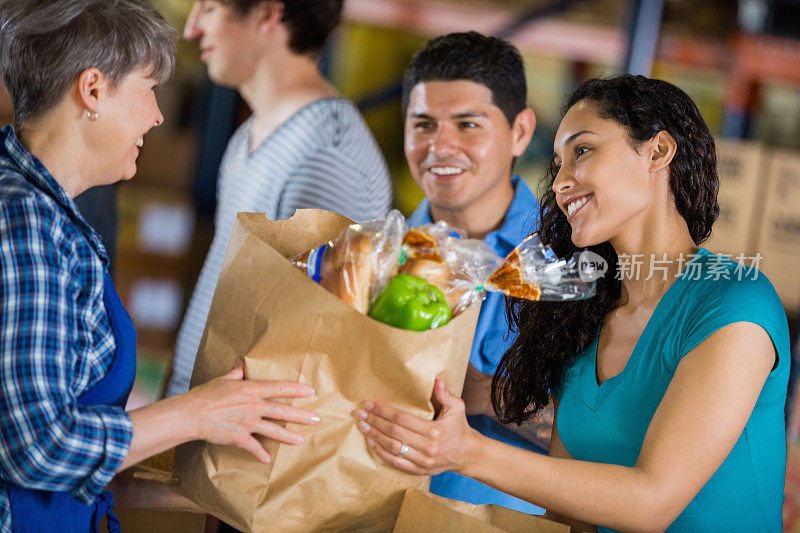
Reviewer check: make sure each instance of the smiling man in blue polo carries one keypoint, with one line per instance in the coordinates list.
(466, 121)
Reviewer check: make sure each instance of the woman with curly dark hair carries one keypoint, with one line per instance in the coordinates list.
(669, 384)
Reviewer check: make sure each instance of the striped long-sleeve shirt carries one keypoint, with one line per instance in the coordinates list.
(323, 157)
(55, 339)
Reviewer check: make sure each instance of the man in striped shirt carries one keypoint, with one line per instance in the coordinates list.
(303, 147)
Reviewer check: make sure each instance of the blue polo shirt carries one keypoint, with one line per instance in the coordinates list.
(492, 339)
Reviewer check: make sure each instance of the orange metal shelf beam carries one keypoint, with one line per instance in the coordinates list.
(760, 57)
(562, 39)
(749, 59)
(555, 38)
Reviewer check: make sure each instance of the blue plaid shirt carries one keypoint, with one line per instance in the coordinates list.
(56, 339)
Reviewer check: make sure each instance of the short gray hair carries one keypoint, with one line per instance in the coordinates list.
(46, 44)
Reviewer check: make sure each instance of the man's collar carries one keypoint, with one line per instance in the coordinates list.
(522, 217)
(421, 215)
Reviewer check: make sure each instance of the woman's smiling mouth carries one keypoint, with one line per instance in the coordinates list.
(575, 205)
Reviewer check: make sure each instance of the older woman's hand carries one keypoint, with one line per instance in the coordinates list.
(230, 410)
(416, 445)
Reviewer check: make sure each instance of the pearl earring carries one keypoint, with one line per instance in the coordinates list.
(92, 115)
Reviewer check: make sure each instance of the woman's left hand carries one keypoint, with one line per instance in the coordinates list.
(416, 445)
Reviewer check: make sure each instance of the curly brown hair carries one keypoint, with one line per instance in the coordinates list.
(551, 334)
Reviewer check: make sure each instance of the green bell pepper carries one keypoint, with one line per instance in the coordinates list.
(412, 303)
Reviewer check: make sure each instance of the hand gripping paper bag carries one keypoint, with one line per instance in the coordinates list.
(287, 327)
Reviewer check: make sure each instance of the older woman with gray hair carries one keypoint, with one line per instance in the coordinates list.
(81, 74)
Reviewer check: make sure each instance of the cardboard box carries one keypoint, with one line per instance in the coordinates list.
(742, 168)
(779, 235)
(423, 512)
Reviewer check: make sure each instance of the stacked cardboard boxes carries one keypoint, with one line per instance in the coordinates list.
(779, 229)
(741, 171)
(759, 218)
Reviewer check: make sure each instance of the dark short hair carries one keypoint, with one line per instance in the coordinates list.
(46, 44)
(489, 61)
(309, 22)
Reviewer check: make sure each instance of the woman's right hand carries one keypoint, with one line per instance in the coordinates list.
(419, 446)
(231, 410)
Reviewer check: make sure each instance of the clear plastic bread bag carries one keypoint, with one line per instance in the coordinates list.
(359, 264)
(465, 269)
(360, 261)
(534, 272)
(441, 255)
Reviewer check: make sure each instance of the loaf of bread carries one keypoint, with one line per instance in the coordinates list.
(349, 271)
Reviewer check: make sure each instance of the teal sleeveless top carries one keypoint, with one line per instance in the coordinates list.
(607, 423)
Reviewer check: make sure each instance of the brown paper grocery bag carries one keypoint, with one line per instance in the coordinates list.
(423, 512)
(287, 327)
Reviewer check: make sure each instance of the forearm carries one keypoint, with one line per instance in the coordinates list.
(620, 497)
(159, 427)
(78, 450)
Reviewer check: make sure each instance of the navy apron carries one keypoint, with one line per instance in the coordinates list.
(42, 511)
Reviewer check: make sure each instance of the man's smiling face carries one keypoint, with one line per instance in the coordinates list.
(458, 144)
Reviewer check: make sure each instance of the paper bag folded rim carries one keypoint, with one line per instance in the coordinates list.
(320, 226)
